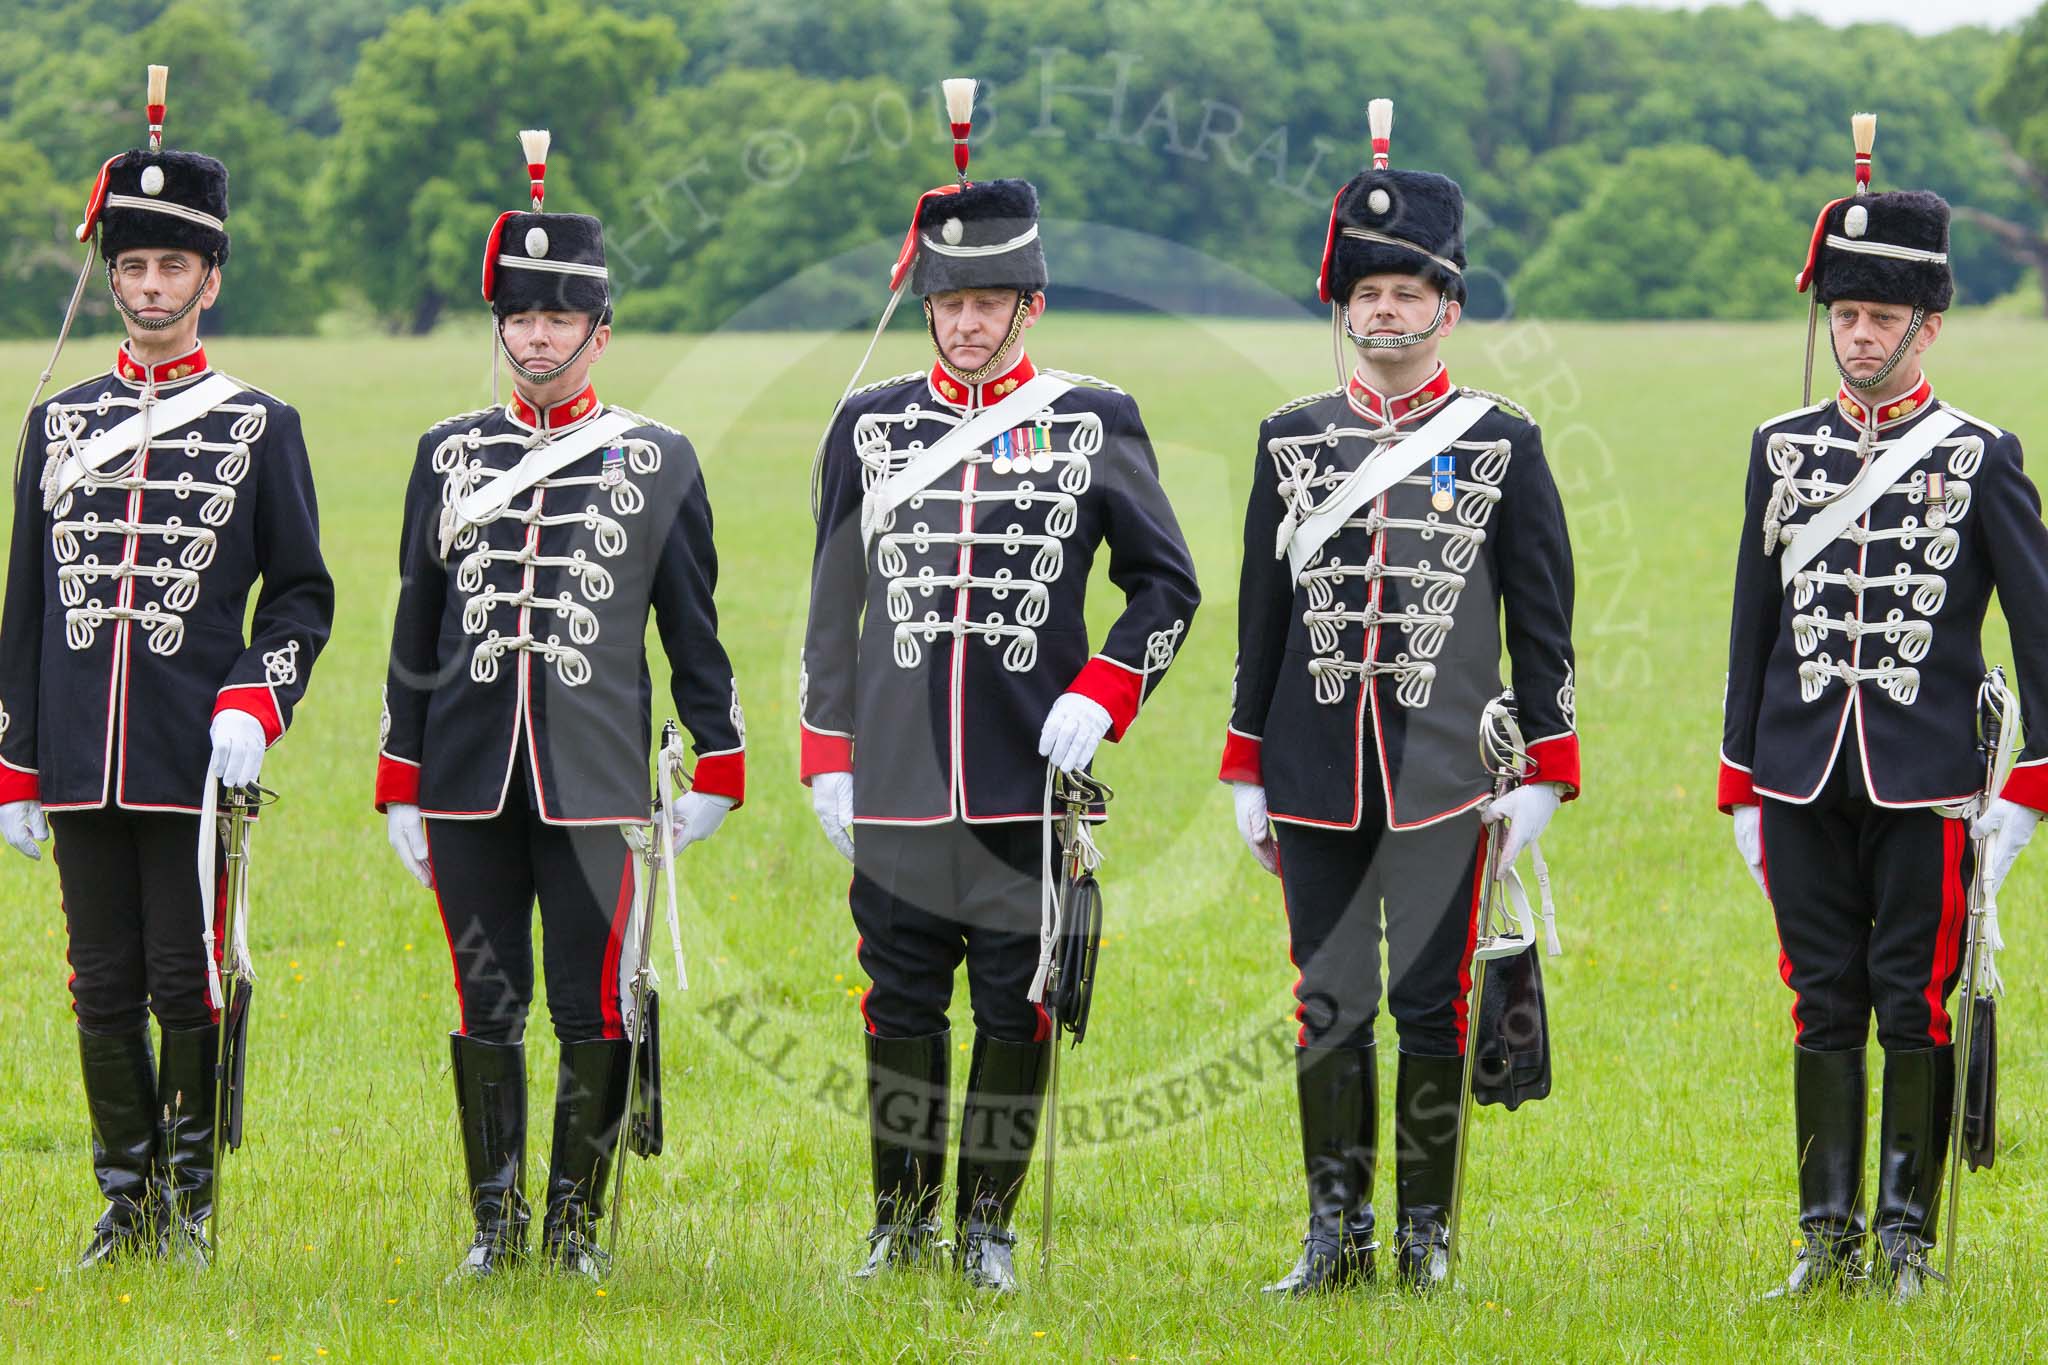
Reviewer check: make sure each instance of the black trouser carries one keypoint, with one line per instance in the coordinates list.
(486, 876)
(923, 898)
(132, 910)
(1871, 914)
(1338, 883)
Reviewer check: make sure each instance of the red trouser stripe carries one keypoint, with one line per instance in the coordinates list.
(615, 945)
(1948, 942)
(220, 923)
(455, 967)
(1463, 1005)
(1763, 858)
(1300, 1010)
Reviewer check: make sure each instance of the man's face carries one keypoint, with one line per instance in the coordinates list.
(157, 282)
(1392, 304)
(971, 324)
(1866, 334)
(540, 341)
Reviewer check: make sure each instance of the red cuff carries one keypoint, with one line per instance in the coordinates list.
(1556, 760)
(2028, 785)
(722, 775)
(258, 702)
(398, 782)
(18, 784)
(1736, 788)
(1114, 688)
(1243, 759)
(823, 753)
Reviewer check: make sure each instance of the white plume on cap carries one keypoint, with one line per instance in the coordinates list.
(1863, 127)
(1379, 118)
(534, 142)
(159, 82)
(959, 99)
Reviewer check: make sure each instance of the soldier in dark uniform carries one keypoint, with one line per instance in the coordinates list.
(517, 713)
(946, 663)
(149, 502)
(1370, 626)
(1848, 755)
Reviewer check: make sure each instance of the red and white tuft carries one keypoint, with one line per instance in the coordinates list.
(159, 84)
(1863, 127)
(1379, 121)
(959, 92)
(534, 142)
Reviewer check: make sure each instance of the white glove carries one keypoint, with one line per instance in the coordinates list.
(1527, 809)
(237, 748)
(1073, 730)
(408, 836)
(697, 817)
(832, 799)
(22, 825)
(1749, 842)
(2005, 826)
(1254, 826)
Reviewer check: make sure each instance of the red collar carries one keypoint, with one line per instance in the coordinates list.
(1402, 407)
(1890, 414)
(184, 367)
(952, 392)
(567, 413)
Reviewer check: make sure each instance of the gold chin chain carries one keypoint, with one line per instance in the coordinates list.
(997, 359)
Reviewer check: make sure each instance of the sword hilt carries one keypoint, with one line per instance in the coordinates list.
(1990, 718)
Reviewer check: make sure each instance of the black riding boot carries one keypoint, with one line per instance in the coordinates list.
(1427, 1091)
(1338, 1089)
(120, 1095)
(998, 1125)
(907, 1091)
(490, 1098)
(1830, 1093)
(185, 1094)
(590, 1102)
(1919, 1096)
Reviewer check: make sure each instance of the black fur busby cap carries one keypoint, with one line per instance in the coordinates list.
(969, 235)
(1388, 220)
(150, 197)
(1862, 247)
(1880, 248)
(993, 226)
(545, 262)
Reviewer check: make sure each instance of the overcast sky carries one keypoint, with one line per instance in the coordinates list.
(1924, 16)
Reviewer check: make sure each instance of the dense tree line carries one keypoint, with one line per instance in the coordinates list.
(756, 159)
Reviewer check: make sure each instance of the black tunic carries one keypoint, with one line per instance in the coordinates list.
(1875, 651)
(529, 632)
(936, 651)
(1361, 681)
(123, 630)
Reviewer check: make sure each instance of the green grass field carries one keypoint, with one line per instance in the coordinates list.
(1637, 1214)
